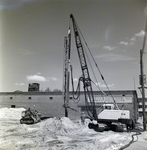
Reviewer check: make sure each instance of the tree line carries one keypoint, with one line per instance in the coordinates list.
(49, 90)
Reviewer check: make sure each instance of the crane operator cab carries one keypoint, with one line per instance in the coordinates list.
(108, 106)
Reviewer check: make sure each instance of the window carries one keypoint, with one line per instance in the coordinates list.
(11, 97)
(51, 97)
(29, 97)
(70, 97)
(12, 106)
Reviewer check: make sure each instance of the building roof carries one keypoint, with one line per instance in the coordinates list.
(123, 93)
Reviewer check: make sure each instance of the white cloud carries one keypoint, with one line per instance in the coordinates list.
(133, 38)
(140, 34)
(10, 4)
(124, 43)
(36, 78)
(39, 77)
(19, 84)
(109, 48)
(114, 57)
(124, 50)
(131, 42)
(53, 78)
(38, 73)
(75, 79)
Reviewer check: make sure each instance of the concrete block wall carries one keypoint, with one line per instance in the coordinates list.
(51, 103)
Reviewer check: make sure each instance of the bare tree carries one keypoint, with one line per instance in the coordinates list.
(56, 90)
(47, 89)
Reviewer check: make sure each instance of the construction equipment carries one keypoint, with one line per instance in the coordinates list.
(85, 78)
(111, 116)
(115, 118)
(30, 116)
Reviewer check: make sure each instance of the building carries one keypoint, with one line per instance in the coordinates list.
(34, 87)
(51, 103)
(127, 100)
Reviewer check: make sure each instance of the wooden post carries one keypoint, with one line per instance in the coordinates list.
(66, 73)
(142, 78)
(143, 92)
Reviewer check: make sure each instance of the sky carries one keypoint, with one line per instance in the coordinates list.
(32, 41)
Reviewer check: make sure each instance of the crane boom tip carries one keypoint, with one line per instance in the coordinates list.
(71, 15)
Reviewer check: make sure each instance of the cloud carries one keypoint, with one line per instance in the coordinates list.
(140, 34)
(109, 48)
(10, 4)
(103, 85)
(124, 43)
(52, 78)
(131, 42)
(127, 43)
(38, 73)
(114, 57)
(75, 79)
(133, 38)
(36, 78)
(19, 84)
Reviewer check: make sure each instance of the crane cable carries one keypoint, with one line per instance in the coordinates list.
(88, 108)
(87, 92)
(78, 91)
(78, 86)
(97, 68)
(138, 132)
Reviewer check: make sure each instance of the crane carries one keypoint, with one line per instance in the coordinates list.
(108, 115)
(85, 72)
(85, 78)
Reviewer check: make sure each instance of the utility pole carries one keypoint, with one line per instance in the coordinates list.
(66, 73)
(142, 87)
(142, 78)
